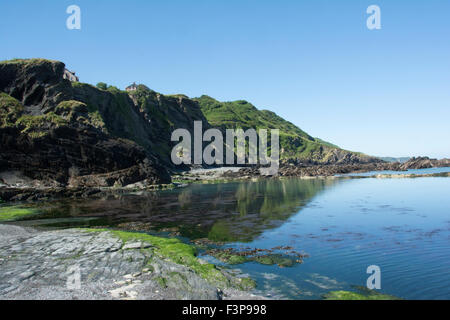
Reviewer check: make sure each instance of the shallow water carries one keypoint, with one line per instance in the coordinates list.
(400, 225)
(345, 225)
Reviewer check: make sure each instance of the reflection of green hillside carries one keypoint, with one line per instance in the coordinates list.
(264, 205)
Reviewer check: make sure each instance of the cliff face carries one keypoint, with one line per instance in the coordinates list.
(163, 114)
(36, 83)
(143, 116)
(61, 133)
(72, 133)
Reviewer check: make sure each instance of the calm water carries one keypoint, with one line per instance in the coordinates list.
(410, 171)
(345, 225)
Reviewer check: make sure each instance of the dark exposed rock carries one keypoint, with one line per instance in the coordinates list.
(37, 83)
(292, 168)
(307, 169)
(48, 136)
(32, 194)
(71, 155)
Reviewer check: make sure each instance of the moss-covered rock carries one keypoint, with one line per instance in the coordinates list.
(76, 111)
(230, 258)
(182, 254)
(10, 110)
(276, 259)
(31, 123)
(15, 213)
(262, 256)
(361, 293)
(12, 115)
(72, 106)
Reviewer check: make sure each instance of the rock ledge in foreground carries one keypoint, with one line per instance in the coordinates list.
(113, 265)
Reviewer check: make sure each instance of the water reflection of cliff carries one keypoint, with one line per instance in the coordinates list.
(264, 205)
(221, 212)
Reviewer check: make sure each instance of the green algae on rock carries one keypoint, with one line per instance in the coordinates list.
(228, 257)
(269, 257)
(15, 213)
(361, 294)
(278, 259)
(183, 254)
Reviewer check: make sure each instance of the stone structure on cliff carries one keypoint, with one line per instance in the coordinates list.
(132, 87)
(70, 75)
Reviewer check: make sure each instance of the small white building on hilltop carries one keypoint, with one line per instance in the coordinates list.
(70, 75)
(132, 87)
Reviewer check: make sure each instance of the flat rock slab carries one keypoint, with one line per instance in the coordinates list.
(77, 264)
(136, 245)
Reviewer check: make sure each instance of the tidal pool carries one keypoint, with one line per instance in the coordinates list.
(343, 224)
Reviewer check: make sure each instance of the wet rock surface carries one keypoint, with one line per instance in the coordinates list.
(280, 256)
(30, 194)
(44, 265)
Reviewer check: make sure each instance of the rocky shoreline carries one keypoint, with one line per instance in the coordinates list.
(19, 189)
(63, 139)
(306, 170)
(110, 265)
(87, 264)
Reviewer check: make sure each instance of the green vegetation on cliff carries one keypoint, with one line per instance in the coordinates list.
(49, 124)
(294, 142)
(10, 110)
(144, 116)
(242, 114)
(12, 116)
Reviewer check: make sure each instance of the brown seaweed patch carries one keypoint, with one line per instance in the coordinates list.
(282, 256)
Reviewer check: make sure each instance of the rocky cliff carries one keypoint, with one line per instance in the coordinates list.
(75, 134)
(66, 133)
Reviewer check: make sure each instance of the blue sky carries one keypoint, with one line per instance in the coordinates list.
(383, 92)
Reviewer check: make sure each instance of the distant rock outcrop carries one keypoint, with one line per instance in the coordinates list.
(315, 169)
(424, 163)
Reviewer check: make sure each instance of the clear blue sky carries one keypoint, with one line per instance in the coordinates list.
(384, 92)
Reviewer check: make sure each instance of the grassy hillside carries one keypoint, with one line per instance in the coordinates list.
(294, 142)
